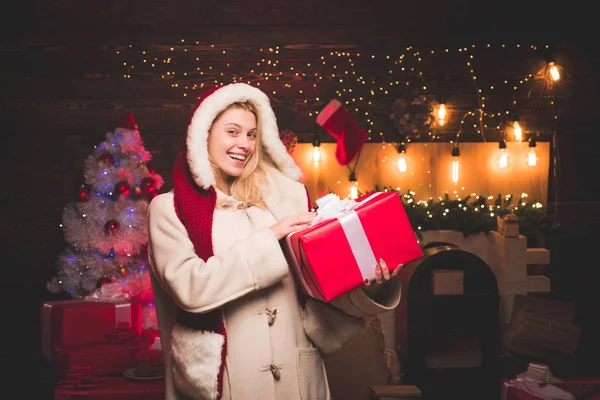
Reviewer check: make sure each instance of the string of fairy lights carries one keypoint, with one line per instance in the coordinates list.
(363, 81)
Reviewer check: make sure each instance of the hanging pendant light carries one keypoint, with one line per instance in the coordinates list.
(401, 162)
(455, 165)
(316, 155)
(531, 154)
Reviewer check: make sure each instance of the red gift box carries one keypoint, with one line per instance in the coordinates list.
(335, 256)
(73, 323)
(587, 388)
(102, 359)
(128, 316)
(112, 388)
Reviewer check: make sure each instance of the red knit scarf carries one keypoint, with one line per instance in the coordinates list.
(195, 208)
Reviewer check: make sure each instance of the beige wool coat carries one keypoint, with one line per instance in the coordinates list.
(275, 345)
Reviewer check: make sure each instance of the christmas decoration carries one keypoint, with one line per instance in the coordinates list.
(107, 158)
(475, 214)
(289, 139)
(340, 124)
(412, 115)
(84, 193)
(106, 230)
(122, 188)
(112, 227)
(148, 185)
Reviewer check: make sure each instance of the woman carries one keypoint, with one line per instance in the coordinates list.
(232, 323)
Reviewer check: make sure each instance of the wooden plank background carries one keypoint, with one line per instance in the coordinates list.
(62, 89)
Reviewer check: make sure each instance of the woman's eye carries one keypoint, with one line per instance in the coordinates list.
(232, 132)
(252, 134)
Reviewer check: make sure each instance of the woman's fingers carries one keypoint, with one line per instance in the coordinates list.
(378, 274)
(303, 218)
(397, 270)
(384, 270)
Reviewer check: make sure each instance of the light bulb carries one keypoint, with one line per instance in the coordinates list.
(531, 154)
(554, 72)
(503, 159)
(441, 114)
(455, 170)
(401, 163)
(455, 166)
(316, 155)
(531, 158)
(353, 192)
(518, 132)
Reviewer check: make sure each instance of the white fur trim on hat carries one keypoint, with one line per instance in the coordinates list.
(197, 134)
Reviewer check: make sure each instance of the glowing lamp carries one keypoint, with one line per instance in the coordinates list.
(316, 155)
(455, 166)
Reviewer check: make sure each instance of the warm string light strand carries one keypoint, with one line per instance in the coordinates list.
(363, 81)
(333, 67)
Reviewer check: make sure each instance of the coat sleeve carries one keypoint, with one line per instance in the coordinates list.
(358, 304)
(200, 286)
(331, 326)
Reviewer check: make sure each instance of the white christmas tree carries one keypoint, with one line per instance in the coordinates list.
(106, 230)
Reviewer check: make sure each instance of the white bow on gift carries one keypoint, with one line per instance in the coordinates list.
(537, 381)
(330, 206)
(108, 292)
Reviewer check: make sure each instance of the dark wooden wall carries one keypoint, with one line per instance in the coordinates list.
(63, 88)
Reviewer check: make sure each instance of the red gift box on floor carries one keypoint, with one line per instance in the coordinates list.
(102, 359)
(112, 388)
(74, 323)
(128, 310)
(128, 315)
(339, 251)
(538, 383)
(584, 388)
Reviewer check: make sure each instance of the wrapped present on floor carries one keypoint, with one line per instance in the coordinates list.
(535, 383)
(341, 248)
(128, 311)
(75, 323)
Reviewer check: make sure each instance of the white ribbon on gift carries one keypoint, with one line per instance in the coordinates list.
(109, 292)
(330, 207)
(537, 381)
(114, 293)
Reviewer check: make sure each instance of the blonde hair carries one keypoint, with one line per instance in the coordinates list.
(248, 186)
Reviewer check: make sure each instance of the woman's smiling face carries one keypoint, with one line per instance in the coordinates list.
(232, 140)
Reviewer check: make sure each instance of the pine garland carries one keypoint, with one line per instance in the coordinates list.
(475, 214)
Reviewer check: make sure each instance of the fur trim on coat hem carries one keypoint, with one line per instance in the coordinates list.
(196, 362)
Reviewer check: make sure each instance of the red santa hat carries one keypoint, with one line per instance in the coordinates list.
(349, 135)
(208, 107)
